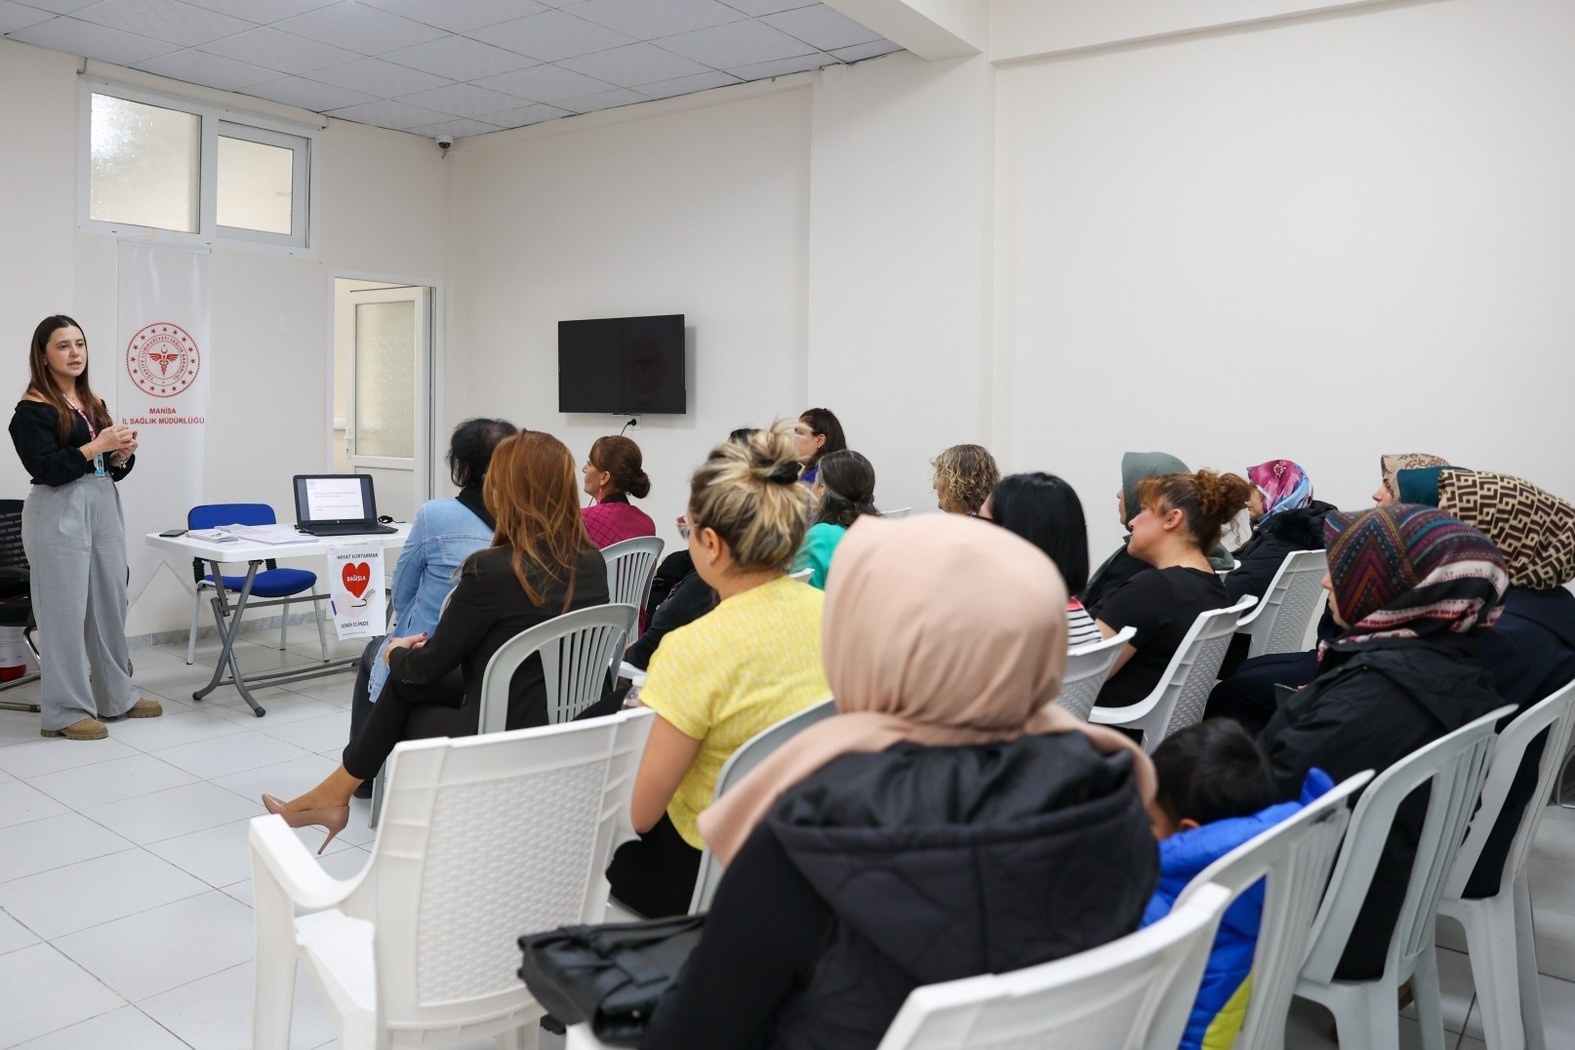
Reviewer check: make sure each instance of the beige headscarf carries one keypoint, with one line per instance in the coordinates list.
(938, 630)
(1395, 462)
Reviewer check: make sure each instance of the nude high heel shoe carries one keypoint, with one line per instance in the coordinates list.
(330, 818)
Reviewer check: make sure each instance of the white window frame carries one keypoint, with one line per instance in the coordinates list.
(232, 123)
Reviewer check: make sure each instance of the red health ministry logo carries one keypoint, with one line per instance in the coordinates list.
(163, 360)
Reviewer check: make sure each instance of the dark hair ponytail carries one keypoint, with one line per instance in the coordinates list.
(849, 481)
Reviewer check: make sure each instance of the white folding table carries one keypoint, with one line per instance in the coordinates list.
(229, 622)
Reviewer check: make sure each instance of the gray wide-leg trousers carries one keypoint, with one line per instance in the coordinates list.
(75, 539)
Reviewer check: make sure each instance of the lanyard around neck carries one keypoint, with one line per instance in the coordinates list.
(92, 430)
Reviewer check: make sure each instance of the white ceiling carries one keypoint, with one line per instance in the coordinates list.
(450, 67)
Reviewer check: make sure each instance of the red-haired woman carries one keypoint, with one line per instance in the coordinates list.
(541, 563)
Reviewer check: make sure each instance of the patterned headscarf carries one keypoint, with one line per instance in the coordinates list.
(1534, 530)
(1395, 462)
(1285, 486)
(1402, 571)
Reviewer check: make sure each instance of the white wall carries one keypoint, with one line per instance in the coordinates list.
(384, 199)
(900, 262)
(701, 212)
(1321, 240)
(1323, 237)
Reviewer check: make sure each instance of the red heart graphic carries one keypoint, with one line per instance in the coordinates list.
(357, 575)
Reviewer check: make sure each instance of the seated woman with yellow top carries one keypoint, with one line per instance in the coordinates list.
(714, 683)
(844, 491)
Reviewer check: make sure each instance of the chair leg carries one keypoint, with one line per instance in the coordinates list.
(284, 625)
(1365, 1017)
(273, 997)
(1429, 1007)
(1526, 967)
(1492, 942)
(191, 642)
(317, 614)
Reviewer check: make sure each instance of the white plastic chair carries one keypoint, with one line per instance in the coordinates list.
(749, 755)
(1087, 667)
(1132, 993)
(631, 566)
(900, 512)
(1295, 856)
(577, 651)
(1499, 935)
(1177, 701)
(1364, 1011)
(1288, 612)
(487, 838)
(802, 575)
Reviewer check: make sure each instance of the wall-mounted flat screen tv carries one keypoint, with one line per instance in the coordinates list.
(622, 365)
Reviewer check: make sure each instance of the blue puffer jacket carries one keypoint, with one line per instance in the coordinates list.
(1221, 1006)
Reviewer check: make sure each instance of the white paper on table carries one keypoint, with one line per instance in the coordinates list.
(355, 584)
(273, 535)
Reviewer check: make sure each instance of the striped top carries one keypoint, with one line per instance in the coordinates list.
(743, 667)
(1080, 627)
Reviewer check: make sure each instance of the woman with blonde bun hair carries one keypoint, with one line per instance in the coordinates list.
(746, 665)
(1180, 520)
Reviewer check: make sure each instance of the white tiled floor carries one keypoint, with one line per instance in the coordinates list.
(125, 883)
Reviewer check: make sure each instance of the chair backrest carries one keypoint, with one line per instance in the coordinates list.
(1177, 701)
(802, 575)
(1289, 609)
(749, 755)
(12, 554)
(1554, 716)
(1087, 667)
(631, 567)
(900, 512)
(1294, 859)
(1132, 993)
(1453, 767)
(212, 515)
(577, 651)
(482, 839)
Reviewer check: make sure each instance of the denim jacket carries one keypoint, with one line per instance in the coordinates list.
(444, 534)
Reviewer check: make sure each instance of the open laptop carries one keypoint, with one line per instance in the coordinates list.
(336, 505)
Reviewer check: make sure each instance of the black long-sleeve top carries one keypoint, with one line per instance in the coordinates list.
(49, 461)
(488, 608)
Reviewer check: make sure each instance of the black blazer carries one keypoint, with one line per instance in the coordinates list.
(488, 608)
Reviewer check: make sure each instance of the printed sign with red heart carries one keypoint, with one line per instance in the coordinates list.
(356, 577)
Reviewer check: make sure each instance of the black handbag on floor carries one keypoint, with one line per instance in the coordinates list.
(608, 976)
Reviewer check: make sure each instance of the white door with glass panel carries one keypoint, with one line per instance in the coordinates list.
(387, 432)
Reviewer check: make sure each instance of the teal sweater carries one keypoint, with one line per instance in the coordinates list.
(815, 553)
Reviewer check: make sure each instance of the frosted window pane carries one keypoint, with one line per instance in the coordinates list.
(385, 379)
(255, 191)
(145, 166)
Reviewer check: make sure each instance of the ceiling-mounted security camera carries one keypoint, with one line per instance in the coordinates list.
(444, 142)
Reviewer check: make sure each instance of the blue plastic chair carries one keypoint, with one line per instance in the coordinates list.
(270, 582)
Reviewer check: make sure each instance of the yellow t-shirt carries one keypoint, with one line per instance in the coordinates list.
(741, 668)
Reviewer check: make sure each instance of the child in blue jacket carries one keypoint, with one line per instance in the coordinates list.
(1215, 792)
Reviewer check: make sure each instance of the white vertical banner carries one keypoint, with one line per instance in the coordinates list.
(161, 391)
(355, 585)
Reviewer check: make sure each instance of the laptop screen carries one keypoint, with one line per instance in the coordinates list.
(331, 498)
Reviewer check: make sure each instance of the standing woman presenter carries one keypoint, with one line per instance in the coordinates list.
(75, 537)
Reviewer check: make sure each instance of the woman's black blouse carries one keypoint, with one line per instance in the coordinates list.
(47, 460)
